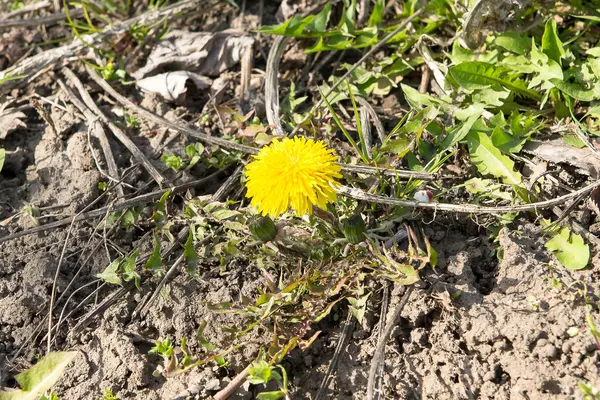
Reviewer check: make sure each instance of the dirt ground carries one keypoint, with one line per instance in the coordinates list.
(482, 325)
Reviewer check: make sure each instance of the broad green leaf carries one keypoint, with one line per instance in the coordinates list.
(377, 13)
(459, 132)
(41, 377)
(516, 42)
(576, 91)
(489, 160)
(473, 75)
(128, 268)
(154, 262)
(190, 254)
(507, 142)
(569, 249)
(319, 23)
(223, 213)
(573, 140)
(594, 51)
(551, 44)
(259, 372)
(416, 99)
(2, 157)
(486, 188)
(110, 274)
(274, 395)
(399, 146)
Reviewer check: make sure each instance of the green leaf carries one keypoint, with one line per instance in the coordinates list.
(399, 146)
(513, 41)
(223, 213)
(473, 75)
(194, 152)
(489, 160)
(459, 132)
(172, 161)
(260, 372)
(507, 142)
(154, 262)
(190, 254)
(569, 249)
(573, 140)
(274, 395)
(319, 23)
(160, 215)
(551, 44)
(41, 377)
(110, 274)
(576, 91)
(377, 13)
(128, 268)
(2, 158)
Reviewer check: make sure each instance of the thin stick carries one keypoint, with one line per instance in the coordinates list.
(143, 199)
(60, 260)
(119, 134)
(271, 84)
(234, 385)
(362, 169)
(368, 54)
(348, 328)
(47, 20)
(51, 58)
(464, 208)
(379, 355)
(384, 310)
(113, 172)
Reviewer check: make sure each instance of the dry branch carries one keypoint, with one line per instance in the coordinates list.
(52, 58)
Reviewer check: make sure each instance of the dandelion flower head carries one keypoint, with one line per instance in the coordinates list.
(296, 173)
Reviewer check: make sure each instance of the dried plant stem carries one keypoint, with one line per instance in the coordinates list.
(465, 208)
(271, 84)
(234, 385)
(119, 134)
(348, 328)
(143, 199)
(379, 355)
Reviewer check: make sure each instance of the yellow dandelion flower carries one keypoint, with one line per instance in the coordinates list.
(296, 173)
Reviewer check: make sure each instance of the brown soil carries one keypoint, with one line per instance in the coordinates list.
(475, 328)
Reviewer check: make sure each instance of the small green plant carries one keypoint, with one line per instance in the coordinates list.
(172, 161)
(51, 396)
(41, 377)
(174, 365)
(16, 5)
(261, 373)
(108, 395)
(588, 391)
(131, 121)
(2, 158)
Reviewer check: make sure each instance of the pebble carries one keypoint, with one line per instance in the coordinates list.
(549, 351)
(213, 385)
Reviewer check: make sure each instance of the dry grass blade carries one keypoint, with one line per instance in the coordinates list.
(53, 57)
(271, 84)
(379, 355)
(143, 199)
(119, 134)
(347, 331)
(466, 208)
(47, 20)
